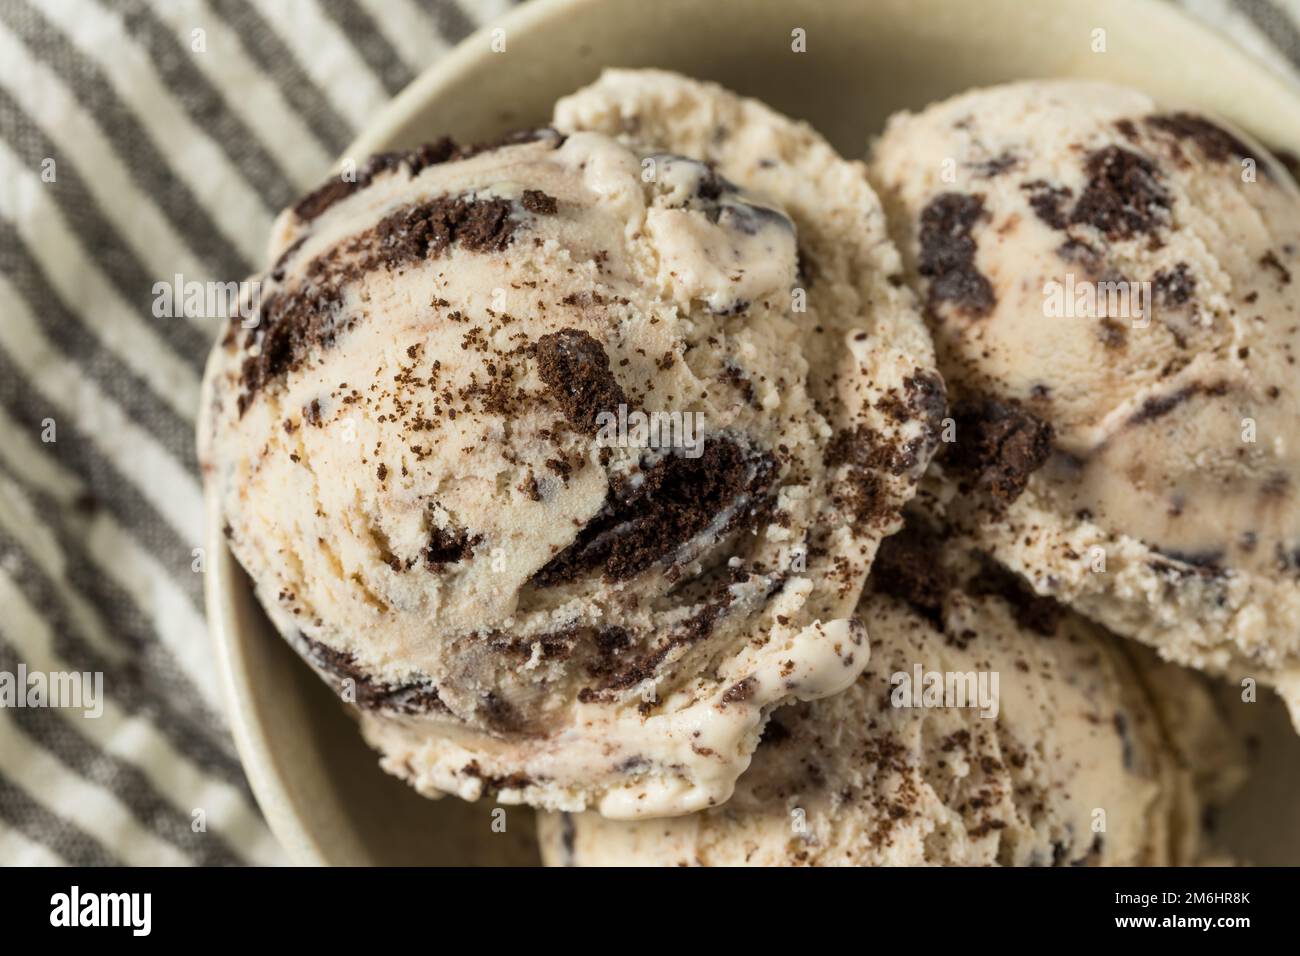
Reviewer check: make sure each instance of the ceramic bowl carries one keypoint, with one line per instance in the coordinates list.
(318, 784)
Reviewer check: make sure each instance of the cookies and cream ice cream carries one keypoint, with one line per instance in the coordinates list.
(1111, 285)
(991, 727)
(565, 458)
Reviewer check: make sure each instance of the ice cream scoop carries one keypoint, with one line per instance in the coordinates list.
(1112, 288)
(564, 458)
(991, 727)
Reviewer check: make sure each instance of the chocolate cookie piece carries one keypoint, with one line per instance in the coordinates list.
(948, 254)
(1034, 612)
(305, 316)
(1124, 196)
(426, 230)
(413, 161)
(448, 546)
(909, 567)
(675, 499)
(1174, 287)
(1158, 406)
(291, 323)
(418, 696)
(1049, 202)
(1214, 142)
(539, 203)
(575, 368)
(316, 202)
(998, 446)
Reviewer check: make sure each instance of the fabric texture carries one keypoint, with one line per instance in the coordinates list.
(141, 140)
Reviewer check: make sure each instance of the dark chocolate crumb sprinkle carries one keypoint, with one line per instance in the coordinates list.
(1269, 260)
(740, 691)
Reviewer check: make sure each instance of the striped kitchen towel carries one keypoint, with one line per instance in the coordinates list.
(139, 140)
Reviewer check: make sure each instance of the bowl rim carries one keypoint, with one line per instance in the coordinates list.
(471, 52)
(250, 729)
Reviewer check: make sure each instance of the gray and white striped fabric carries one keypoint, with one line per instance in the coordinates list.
(133, 149)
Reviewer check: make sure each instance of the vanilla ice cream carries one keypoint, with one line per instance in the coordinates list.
(1111, 287)
(564, 459)
(991, 727)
